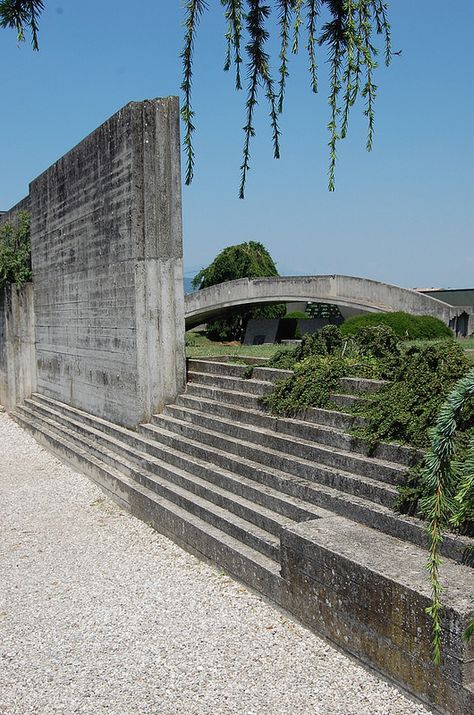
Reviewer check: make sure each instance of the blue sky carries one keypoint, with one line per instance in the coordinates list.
(403, 213)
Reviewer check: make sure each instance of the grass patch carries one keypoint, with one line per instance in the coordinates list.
(198, 346)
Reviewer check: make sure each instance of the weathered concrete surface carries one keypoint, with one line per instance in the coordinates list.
(368, 592)
(362, 293)
(106, 238)
(17, 345)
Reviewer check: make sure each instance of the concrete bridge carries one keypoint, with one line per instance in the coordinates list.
(348, 292)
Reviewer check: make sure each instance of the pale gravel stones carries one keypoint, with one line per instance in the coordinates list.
(99, 614)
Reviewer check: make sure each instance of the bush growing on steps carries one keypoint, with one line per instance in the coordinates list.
(422, 376)
(404, 325)
(314, 379)
(380, 342)
(322, 359)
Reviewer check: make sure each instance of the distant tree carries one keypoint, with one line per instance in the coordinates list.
(244, 260)
(345, 27)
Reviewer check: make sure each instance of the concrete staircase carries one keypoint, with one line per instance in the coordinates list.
(261, 496)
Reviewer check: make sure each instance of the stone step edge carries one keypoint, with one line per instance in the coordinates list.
(407, 454)
(307, 506)
(456, 544)
(453, 546)
(287, 438)
(139, 435)
(262, 560)
(151, 477)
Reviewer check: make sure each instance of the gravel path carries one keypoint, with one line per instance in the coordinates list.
(100, 614)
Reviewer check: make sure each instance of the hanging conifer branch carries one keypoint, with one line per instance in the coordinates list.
(347, 35)
(446, 484)
(286, 14)
(257, 72)
(298, 22)
(22, 14)
(313, 12)
(234, 34)
(194, 10)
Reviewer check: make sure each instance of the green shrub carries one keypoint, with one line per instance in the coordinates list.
(315, 378)
(404, 325)
(15, 251)
(405, 409)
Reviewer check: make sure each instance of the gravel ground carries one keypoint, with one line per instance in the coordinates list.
(100, 614)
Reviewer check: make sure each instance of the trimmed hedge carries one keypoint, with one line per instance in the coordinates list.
(404, 325)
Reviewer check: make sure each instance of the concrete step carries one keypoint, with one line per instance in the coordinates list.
(156, 458)
(228, 369)
(298, 428)
(277, 478)
(270, 374)
(329, 498)
(229, 513)
(375, 469)
(231, 397)
(188, 530)
(345, 401)
(252, 387)
(356, 385)
(331, 418)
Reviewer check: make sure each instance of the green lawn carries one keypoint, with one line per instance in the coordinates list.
(203, 347)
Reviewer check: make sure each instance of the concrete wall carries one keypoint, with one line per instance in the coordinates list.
(17, 345)
(106, 239)
(354, 592)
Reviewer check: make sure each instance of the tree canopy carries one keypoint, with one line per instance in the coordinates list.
(244, 260)
(345, 28)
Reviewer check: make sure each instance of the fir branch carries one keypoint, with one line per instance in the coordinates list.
(233, 15)
(21, 14)
(368, 59)
(284, 20)
(333, 34)
(194, 10)
(439, 480)
(258, 72)
(352, 66)
(380, 10)
(313, 12)
(298, 22)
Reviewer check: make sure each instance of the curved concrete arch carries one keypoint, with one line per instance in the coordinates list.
(349, 291)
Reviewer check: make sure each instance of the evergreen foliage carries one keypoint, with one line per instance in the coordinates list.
(20, 15)
(244, 260)
(346, 28)
(412, 327)
(421, 377)
(448, 486)
(15, 251)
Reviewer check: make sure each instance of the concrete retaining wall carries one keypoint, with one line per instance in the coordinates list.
(17, 345)
(106, 239)
(367, 593)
